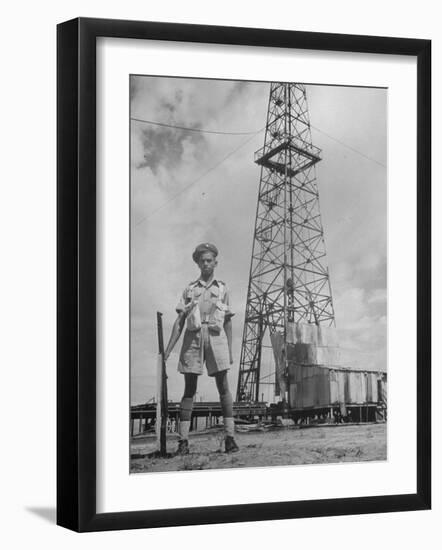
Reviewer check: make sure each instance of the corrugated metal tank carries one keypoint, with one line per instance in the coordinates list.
(316, 377)
(315, 386)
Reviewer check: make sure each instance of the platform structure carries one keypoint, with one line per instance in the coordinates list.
(204, 414)
(289, 279)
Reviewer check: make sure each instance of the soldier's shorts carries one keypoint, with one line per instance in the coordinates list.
(203, 346)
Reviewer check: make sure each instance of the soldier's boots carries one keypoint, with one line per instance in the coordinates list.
(183, 447)
(230, 445)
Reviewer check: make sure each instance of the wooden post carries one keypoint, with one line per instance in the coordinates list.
(163, 393)
(366, 397)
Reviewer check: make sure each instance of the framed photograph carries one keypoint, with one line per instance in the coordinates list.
(243, 274)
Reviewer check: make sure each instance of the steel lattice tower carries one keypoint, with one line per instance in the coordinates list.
(289, 280)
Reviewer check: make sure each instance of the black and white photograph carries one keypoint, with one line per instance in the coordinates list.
(219, 255)
(258, 261)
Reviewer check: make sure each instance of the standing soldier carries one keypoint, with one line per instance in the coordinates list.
(205, 309)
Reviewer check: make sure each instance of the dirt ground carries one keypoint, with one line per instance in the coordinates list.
(327, 444)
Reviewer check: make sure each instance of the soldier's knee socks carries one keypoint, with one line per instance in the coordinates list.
(184, 429)
(229, 425)
(226, 404)
(185, 416)
(186, 408)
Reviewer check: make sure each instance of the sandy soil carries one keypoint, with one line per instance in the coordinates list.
(328, 444)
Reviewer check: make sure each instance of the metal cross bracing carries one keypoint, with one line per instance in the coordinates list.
(289, 280)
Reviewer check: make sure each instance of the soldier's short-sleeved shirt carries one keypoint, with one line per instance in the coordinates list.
(204, 338)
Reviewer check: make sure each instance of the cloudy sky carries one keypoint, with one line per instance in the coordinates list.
(189, 187)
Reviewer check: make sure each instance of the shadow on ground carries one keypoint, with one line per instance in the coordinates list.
(48, 514)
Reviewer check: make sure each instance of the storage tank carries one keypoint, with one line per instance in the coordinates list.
(317, 381)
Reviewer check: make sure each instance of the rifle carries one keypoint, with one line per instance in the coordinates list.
(163, 408)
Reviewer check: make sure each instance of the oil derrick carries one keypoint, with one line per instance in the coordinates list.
(288, 281)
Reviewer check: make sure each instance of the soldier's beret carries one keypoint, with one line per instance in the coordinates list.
(204, 247)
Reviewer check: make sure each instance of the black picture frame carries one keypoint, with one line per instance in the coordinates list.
(77, 288)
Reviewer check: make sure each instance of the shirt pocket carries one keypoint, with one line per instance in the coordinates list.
(216, 322)
(196, 293)
(214, 294)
